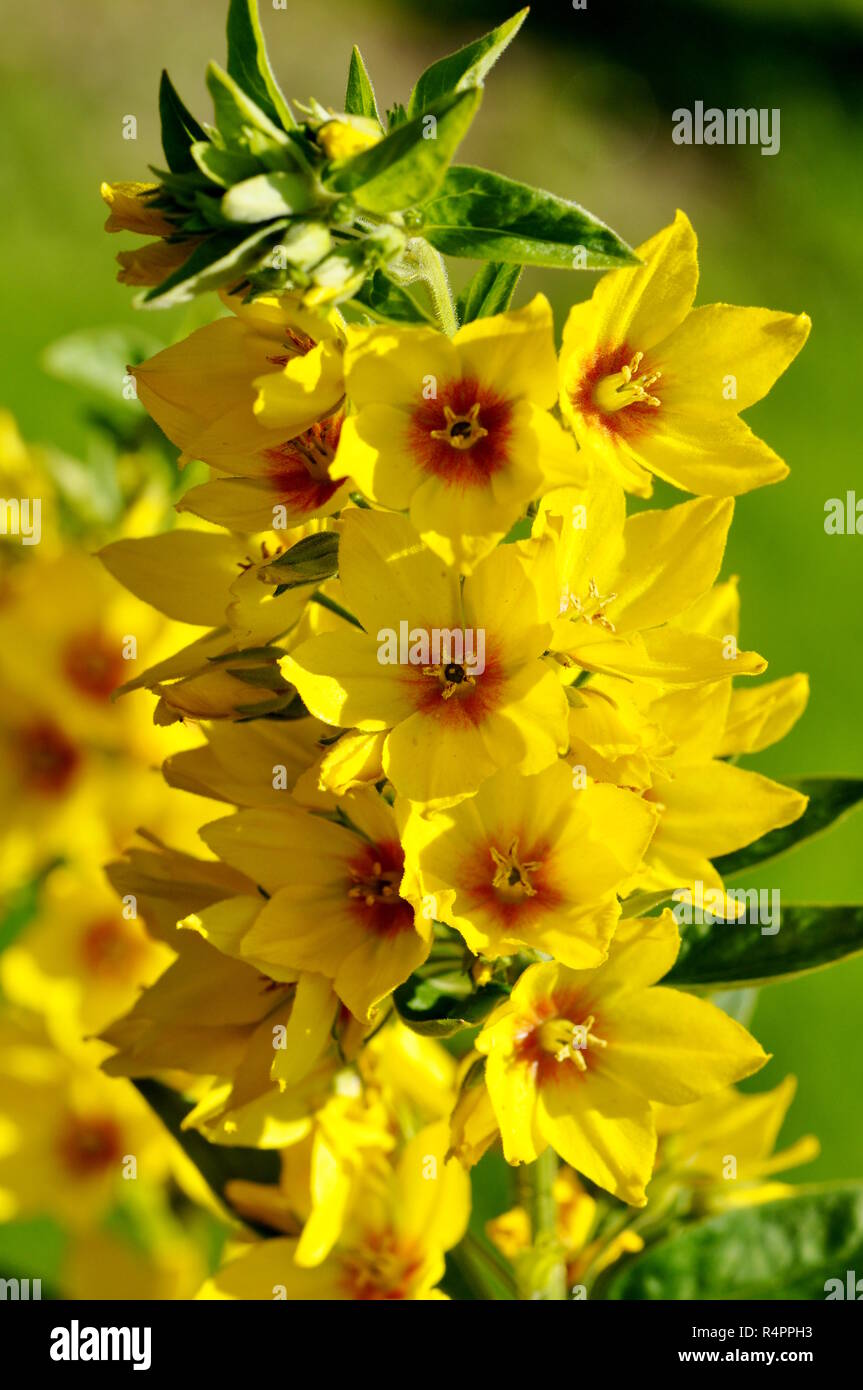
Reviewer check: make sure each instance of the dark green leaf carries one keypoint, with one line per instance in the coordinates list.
(179, 128)
(218, 1164)
(466, 68)
(221, 259)
(441, 1005)
(360, 95)
(830, 798)
(736, 953)
(488, 217)
(310, 561)
(249, 65)
(784, 1249)
(489, 292)
(408, 165)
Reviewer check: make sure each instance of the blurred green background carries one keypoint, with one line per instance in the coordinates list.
(581, 105)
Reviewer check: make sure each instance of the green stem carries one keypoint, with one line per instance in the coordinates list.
(543, 1270)
(484, 1269)
(435, 278)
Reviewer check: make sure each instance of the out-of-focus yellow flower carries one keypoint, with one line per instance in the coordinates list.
(131, 209)
(392, 1248)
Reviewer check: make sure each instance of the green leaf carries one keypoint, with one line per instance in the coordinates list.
(489, 292)
(440, 1005)
(830, 798)
(224, 167)
(728, 954)
(360, 95)
(249, 65)
(310, 561)
(218, 1164)
(466, 68)
(265, 196)
(784, 1249)
(488, 217)
(179, 128)
(222, 259)
(408, 165)
(237, 116)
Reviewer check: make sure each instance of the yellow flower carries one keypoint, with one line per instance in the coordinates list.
(203, 390)
(723, 1145)
(131, 209)
(707, 805)
(531, 861)
(335, 907)
(391, 1249)
(82, 959)
(576, 1057)
(625, 583)
(70, 1138)
(346, 135)
(457, 430)
(450, 725)
(153, 263)
(652, 386)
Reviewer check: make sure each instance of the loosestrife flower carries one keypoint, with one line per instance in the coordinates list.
(447, 729)
(457, 430)
(335, 907)
(652, 386)
(575, 1058)
(531, 862)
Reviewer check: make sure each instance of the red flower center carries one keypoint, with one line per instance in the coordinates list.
(463, 436)
(299, 469)
(93, 664)
(375, 874)
(49, 760)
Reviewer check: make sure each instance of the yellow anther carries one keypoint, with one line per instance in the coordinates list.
(568, 1041)
(626, 387)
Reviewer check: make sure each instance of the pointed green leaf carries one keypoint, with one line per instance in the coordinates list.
(222, 259)
(830, 798)
(790, 1248)
(310, 561)
(360, 95)
(440, 1005)
(409, 164)
(466, 68)
(218, 1164)
(179, 128)
(730, 954)
(249, 65)
(238, 117)
(488, 217)
(489, 292)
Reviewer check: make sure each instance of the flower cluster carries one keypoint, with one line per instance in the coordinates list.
(475, 723)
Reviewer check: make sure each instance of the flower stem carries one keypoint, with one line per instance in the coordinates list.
(543, 1270)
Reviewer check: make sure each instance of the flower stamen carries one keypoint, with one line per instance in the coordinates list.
(626, 387)
(512, 875)
(567, 1041)
(461, 431)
